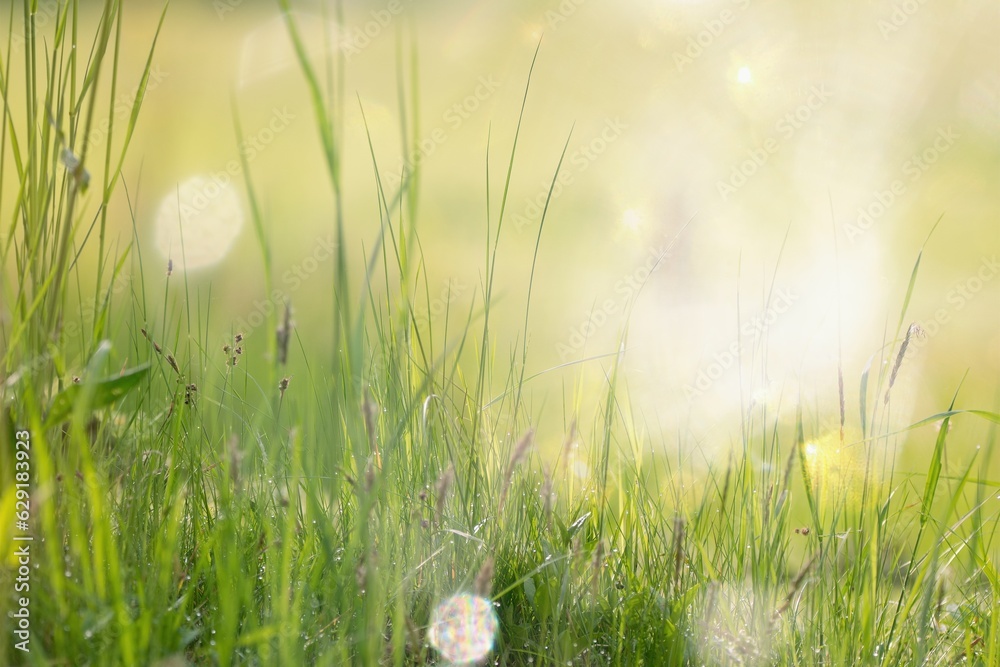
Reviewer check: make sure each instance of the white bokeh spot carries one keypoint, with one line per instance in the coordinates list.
(203, 213)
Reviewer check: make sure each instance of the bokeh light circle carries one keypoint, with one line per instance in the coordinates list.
(205, 213)
(463, 627)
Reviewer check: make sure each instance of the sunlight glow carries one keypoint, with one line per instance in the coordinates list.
(835, 471)
(744, 75)
(532, 32)
(631, 220)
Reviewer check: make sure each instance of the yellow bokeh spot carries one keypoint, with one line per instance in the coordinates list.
(835, 468)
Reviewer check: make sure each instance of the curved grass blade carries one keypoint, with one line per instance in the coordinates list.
(102, 394)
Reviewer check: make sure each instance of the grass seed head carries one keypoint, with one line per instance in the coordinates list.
(484, 579)
(596, 563)
(914, 330)
(369, 410)
(284, 334)
(548, 496)
(519, 452)
(679, 535)
(441, 492)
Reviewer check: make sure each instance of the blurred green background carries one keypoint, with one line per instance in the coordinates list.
(766, 171)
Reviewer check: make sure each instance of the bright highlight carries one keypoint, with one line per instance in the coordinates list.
(198, 223)
(462, 628)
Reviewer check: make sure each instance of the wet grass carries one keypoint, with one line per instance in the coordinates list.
(193, 501)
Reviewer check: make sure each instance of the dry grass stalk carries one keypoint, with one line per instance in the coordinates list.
(284, 334)
(370, 411)
(156, 346)
(796, 585)
(441, 492)
(547, 494)
(595, 567)
(571, 440)
(789, 464)
(914, 330)
(679, 532)
(483, 585)
(519, 452)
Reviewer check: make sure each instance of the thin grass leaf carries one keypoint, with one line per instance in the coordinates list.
(102, 393)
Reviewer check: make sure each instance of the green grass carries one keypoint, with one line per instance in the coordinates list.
(192, 510)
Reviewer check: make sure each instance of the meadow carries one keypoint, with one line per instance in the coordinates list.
(361, 467)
